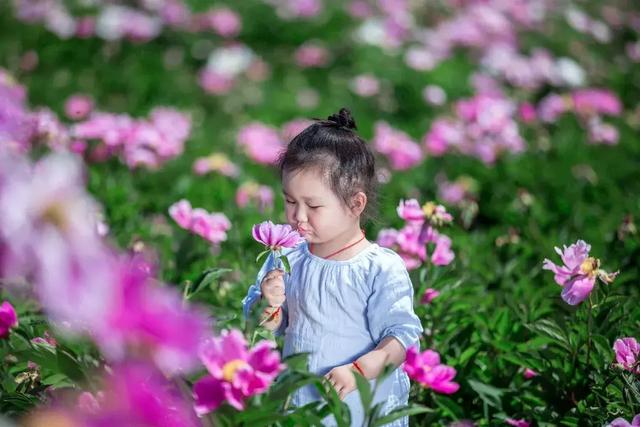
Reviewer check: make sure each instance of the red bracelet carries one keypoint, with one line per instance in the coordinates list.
(274, 314)
(358, 368)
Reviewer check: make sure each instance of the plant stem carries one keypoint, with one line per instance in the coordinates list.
(589, 328)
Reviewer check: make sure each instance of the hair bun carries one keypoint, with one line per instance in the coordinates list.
(343, 119)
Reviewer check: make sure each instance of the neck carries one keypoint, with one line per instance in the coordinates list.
(327, 248)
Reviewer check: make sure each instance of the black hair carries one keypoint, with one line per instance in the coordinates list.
(340, 155)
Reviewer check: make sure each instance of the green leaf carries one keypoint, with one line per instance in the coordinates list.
(285, 262)
(261, 255)
(364, 388)
(489, 394)
(206, 278)
(403, 411)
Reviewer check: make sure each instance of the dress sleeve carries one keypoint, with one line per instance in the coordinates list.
(390, 308)
(254, 294)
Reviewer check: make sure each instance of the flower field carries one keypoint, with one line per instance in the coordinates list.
(137, 149)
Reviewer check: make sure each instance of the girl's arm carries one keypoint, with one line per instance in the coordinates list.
(388, 351)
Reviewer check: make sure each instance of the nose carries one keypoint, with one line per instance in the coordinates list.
(300, 215)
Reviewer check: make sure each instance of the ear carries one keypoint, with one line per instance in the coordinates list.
(358, 203)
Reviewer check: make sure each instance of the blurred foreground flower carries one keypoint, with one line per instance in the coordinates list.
(8, 319)
(628, 354)
(517, 423)
(579, 272)
(234, 372)
(275, 237)
(426, 369)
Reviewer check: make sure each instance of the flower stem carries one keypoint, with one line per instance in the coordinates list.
(589, 327)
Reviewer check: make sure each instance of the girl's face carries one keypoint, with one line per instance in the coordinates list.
(313, 209)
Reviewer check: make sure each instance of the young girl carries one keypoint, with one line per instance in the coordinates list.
(347, 302)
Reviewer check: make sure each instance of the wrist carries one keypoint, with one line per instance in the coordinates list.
(357, 367)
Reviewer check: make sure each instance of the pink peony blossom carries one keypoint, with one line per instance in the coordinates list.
(365, 85)
(78, 106)
(8, 319)
(216, 162)
(234, 372)
(261, 143)
(442, 254)
(410, 210)
(628, 354)
(224, 21)
(596, 101)
(311, 54)
(529, 373)
(517, 423)
(250, 192)
(210, 226)
(621, 422)
(429, 295)
(426, 369)
(402, 151)
(276, 236)
(579, 273)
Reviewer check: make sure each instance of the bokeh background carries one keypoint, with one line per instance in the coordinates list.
(520, 117)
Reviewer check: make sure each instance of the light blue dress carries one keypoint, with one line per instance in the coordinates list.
(339, 310)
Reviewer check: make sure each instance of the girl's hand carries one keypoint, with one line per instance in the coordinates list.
(272, 288)
(342, 379)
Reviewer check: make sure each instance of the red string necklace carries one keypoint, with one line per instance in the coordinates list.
(340, 250)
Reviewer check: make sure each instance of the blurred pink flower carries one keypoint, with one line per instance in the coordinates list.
(311, 54)
(359, 9)
(426, 369)
(261, 195)
(434, 95)
(215, 83)
(261, 142)
(387, 237)
(276, 236)
(182, 213)
(78, 106)
(444, 133)
(628, 354)
(517, 423)
(224, 21)
(136, 394)
(527, 112)
(8, 319)
(365, 85)
(88, 403)
(210, 226)
(47, 339)
(621, 422)
(301, 8)
(429, 295)
(442, 254)
(292, 128)
(234, 372)
(578, 273)
(216, 162)
(596, 101)
(410, 210)
(529, 373)
(402, 151)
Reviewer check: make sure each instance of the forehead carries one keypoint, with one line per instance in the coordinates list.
(305, 183)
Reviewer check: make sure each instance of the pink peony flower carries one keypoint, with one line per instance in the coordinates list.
(216, 162)
(442, 254)
(621, 422)
(517, 423)
(628, 354)
(429, 295)
(444, 133)
(8, 319)
(78, 106)
(529, 373)
(402, 151)
(276, 236)
(260, 195)
(410, 210)
(579, 273)
(210, 226)
(234, 372)
(365, 85)
(215, 83)
(136, 394)
(596, 101)
(224, 21)
(387, 237)
(261, 143)
(311, 54)
(426, 369)
(182, 213)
